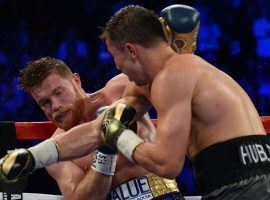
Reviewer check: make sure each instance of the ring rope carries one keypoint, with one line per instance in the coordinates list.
(44, 130)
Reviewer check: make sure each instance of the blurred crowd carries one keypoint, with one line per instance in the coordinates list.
(234, 36)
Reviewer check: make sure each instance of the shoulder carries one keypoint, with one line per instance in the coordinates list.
(181, 71)
(177, 66)
(115, 87)
(183, 63)
(117, 81)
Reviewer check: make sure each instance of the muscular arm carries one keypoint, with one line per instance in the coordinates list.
(75, 184)
(172, 96)
(79, 141)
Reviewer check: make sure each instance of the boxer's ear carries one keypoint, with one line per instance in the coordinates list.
(131, 49)
(77, 79)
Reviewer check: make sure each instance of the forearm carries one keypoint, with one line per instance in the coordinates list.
(158, 160)
(158, 156)
(75, 143)
(94, 186)
(78, 141)
(97, 182)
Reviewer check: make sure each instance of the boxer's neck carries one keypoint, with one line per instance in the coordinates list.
(92, 103)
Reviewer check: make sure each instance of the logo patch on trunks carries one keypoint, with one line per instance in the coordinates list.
(254, 153)
(137, 189)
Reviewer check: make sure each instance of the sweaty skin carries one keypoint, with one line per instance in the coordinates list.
(75, 177)
(197, 104)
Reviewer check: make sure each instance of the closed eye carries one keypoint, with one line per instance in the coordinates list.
(57, 91)
(44, 103)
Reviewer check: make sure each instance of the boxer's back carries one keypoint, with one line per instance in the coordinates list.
(221, 108)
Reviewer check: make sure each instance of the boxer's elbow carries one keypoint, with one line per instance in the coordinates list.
(163, 162)
(169, 168)
(78, 196)
(71, 192)
(69, 196)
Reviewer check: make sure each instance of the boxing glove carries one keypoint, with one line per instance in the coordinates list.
(104, 160)
(115, 130)
(14, 170)
(181, 25)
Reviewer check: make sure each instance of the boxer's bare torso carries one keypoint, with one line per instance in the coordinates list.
(197, 105)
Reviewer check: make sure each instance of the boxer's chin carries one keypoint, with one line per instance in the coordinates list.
(71, 121)
(64, 123)
(74, 116)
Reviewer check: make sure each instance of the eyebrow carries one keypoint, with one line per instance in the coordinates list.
(54, 91)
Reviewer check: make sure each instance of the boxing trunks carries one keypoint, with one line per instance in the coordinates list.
(147, 187)
(238, 168)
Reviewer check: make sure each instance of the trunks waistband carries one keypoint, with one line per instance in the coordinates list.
(229, 162)
(145, 187)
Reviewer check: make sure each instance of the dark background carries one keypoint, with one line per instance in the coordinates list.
(234, 36)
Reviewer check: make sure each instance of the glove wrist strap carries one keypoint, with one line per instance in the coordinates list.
(127, 142)
(104, 163)
(45, 153)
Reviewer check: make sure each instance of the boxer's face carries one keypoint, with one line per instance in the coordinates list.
(60, 99)
(127, 61)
